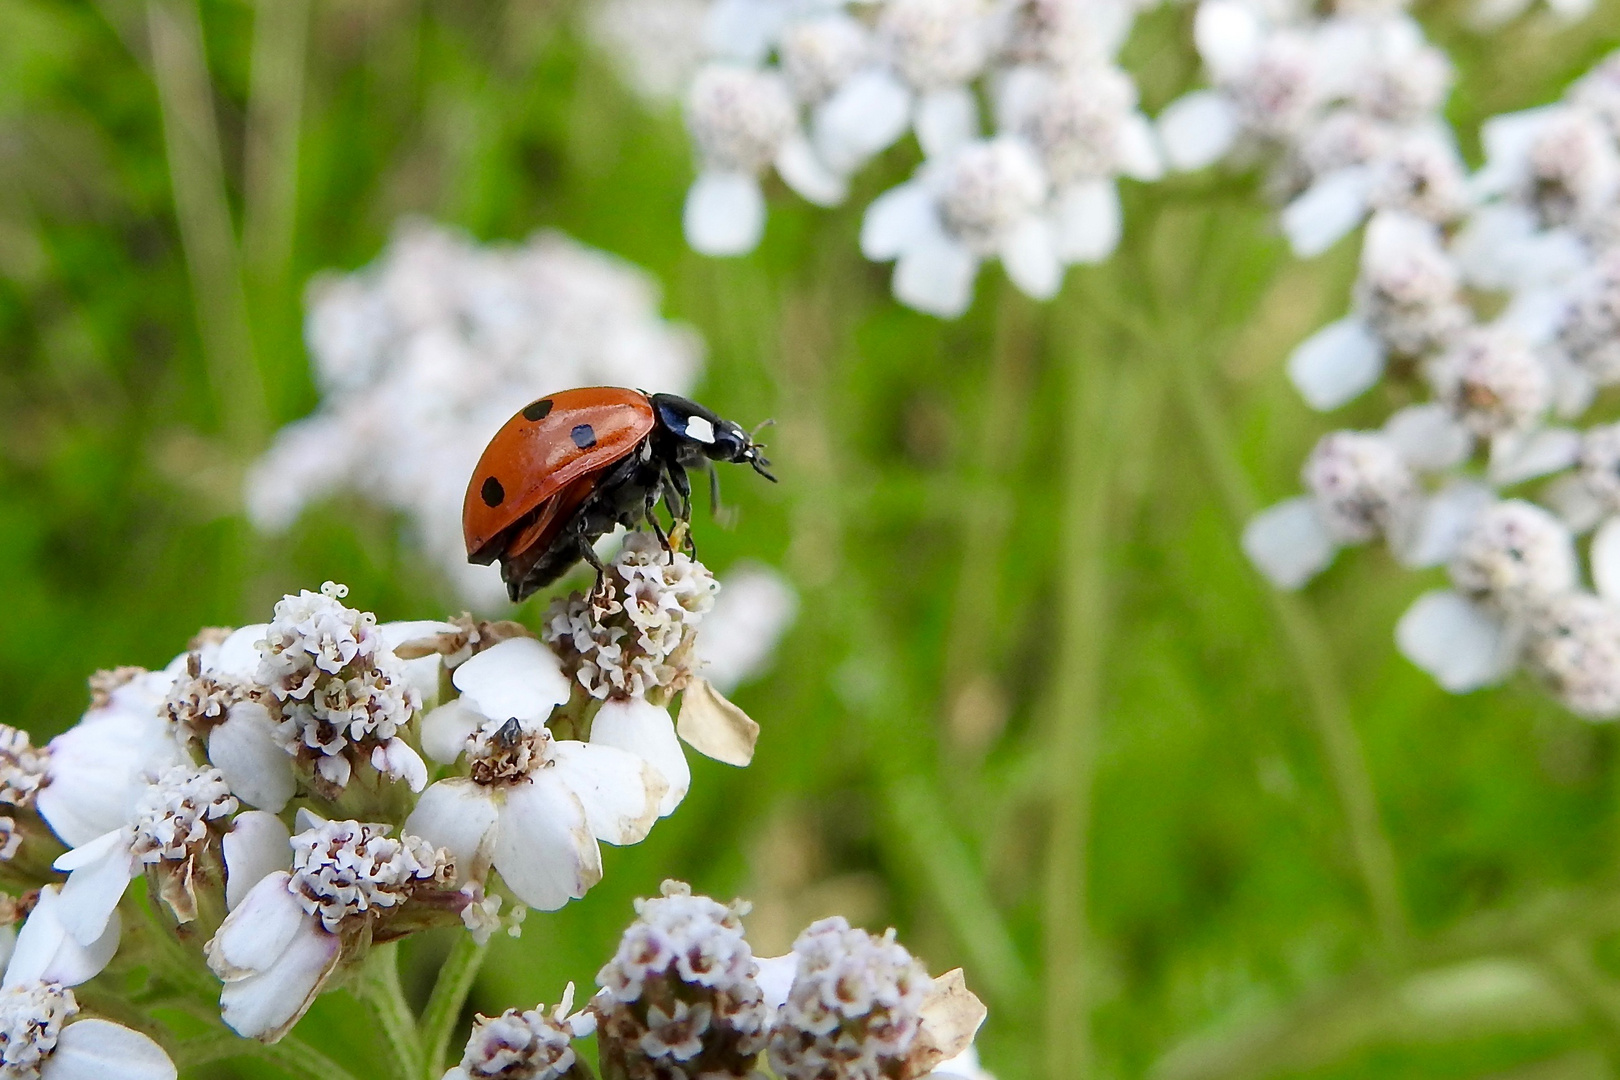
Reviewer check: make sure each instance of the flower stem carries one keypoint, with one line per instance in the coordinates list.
(1101, 410)
(987, 514)
(275, 106)
(291, 1055)
(197, 174)
(379, 988)
(449, 996)
(1302, 635)
(918, 813)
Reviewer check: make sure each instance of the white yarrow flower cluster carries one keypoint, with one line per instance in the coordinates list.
(816, 90)
(682, 996)
(531, 1044)
(640, 641)
(342, 696)
(685, 998)
(1489, 477)
(855, 1006)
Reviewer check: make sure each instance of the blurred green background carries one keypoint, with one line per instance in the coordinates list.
(1037, 711)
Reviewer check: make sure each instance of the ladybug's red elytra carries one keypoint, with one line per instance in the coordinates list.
(570, 466)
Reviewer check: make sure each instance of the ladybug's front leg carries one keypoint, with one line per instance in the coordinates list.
(601, 592)
(651, 513)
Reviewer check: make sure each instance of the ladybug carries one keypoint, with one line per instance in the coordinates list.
(570, 466)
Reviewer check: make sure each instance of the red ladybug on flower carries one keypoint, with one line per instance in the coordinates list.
(570, 466)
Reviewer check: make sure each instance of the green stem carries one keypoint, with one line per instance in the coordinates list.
(918, 814)
(296, 1057)
(1076, 708)
(987, 511)
(197, 174)
(275, 107)
(291, 1055)
(1313, 658)
(449, 997)
(379, 988)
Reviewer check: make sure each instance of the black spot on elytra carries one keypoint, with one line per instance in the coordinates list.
(537, 410)
(584, 437)
(492, 492)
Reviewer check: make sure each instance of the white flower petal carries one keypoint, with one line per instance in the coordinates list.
(1571, 499)
(803, 171)
(1029, 256)
(936, 277)
(1197, 129)
(265, 1005)
(459, 816)
(518, 678)
(1535, 314)
(863, 117)
(1428, 437)
(99, 872)
(714, 727)
(1140, 156)
(92, 1049)
(1605, 558)
(776, 978)
(1336, 364)
(1516, 457)
(1459, 643)
(742, 29)
(619, 791)
(245, 750)
(946, 120)
(1442, 523)
(1089, 221)
(45, 952)
(396, 760)
(1330, 208)
(897, 220)
(646, 731)
(724, 215)
(238, 655)
(423, 671)
(1288, 543)
(98, 767)
(1228, 34)
(445, 730)
(258, 930)
(544, 849)
(257, 845)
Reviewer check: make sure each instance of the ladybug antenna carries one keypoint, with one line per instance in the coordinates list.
(761, 426)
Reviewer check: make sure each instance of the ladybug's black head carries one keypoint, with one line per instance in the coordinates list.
(702, 432)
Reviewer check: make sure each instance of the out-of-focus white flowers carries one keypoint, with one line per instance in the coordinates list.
(1488, 477)
(832, 85)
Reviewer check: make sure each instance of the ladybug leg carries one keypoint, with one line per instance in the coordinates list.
(681, 507)
(651, 511)
(601, 592)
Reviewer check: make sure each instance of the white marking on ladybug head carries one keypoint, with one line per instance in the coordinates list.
(699, 430)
